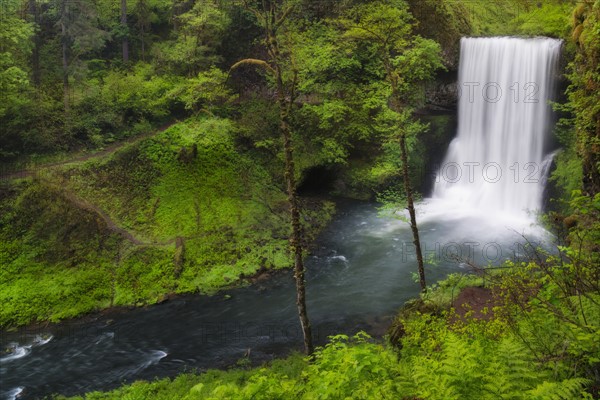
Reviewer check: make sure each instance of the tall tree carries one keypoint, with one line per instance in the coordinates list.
(386, 26)
(35, 53)
(79, 34)
(143, 15)
(279, 65)
(198, 36)
(125, 30)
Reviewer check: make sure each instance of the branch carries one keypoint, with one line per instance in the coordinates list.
(283, 17)
(254, 11)
(253, 61)
(363, 28)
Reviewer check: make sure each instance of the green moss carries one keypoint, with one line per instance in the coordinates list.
(109, 227)
(55, 256)
(448, 20)
(550, 18)
(567, 176)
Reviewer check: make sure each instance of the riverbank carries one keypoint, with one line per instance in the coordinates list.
(351, 258)
(450, 343)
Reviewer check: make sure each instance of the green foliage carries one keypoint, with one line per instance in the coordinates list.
(459, 368)
(113, 224)
(568, 174)
(538, 342)
(137, 94)
(198, 37)
(447, 20)
(55, 257)
(404, 60)
(197, 194)
(79, 32)
(208, 91)
(584, 91)
(106, 232)
(551, 18)
(15, 47)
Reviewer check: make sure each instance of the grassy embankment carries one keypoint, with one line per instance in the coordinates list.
(184, 211)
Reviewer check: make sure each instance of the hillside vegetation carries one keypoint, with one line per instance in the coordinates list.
(202, 205)
(181, 212)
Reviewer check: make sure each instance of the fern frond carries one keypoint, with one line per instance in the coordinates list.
(569, 389)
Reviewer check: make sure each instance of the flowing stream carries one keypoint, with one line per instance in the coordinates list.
(360, 273)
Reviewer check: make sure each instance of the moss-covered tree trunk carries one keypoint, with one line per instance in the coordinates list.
(296, 237)
(397, 102)
(285, 106)
(412, 213)
(272, 16)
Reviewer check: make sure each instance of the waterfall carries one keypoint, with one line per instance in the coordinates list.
(497, 164)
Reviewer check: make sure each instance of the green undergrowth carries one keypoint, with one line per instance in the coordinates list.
(515, 17)
(184, 211)
(55, 256)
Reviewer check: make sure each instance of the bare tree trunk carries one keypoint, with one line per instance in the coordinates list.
(124, 25)
(411, 211)
(397, 101)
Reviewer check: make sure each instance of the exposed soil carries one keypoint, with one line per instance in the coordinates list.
(378, 326)
(474, 303)
(110, 223)
(26, 173)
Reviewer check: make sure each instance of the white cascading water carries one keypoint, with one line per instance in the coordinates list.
(496, 163)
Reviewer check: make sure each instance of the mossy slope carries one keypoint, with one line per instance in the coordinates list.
(183, 211)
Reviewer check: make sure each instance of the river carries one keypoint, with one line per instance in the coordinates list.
(359, 275)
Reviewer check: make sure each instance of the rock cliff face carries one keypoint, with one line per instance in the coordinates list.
(442, 93)
(442, 96)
